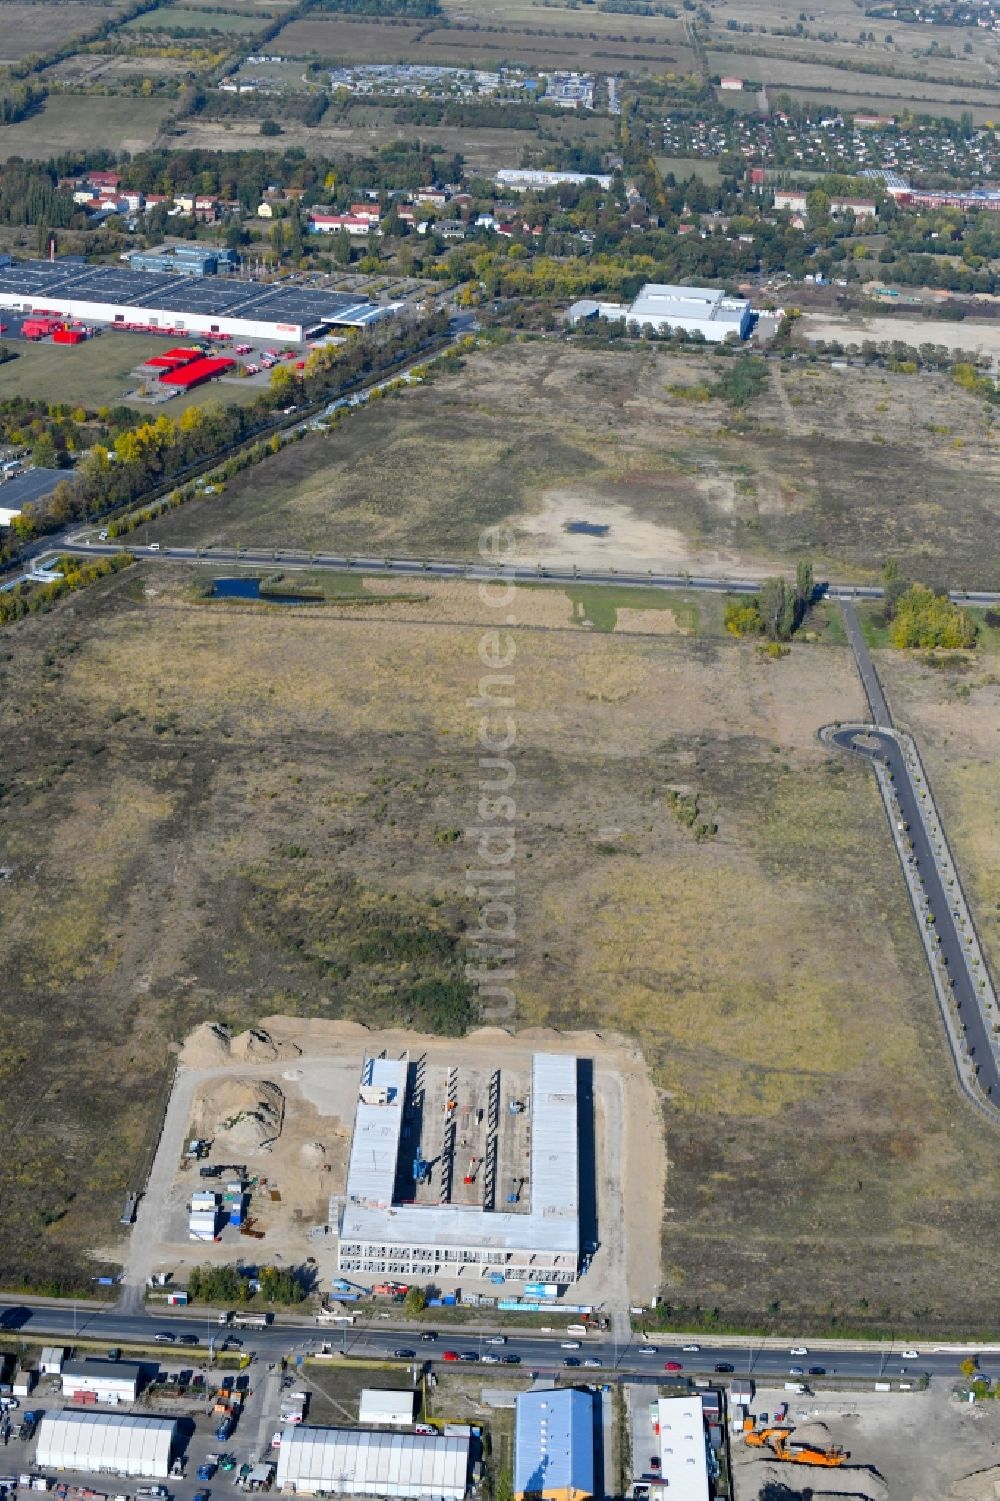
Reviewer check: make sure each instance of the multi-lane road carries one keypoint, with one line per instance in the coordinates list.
(766, 1360)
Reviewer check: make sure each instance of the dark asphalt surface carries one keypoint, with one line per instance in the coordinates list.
(952, 945)
(866, 667)
(539, 1352)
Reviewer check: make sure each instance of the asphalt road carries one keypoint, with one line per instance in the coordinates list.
(866, 667)
(442, 568)
(952, 947)
(543, 1353)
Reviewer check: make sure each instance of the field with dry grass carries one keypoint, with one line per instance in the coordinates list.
(848, 467)
(65, 122)
(226, 812)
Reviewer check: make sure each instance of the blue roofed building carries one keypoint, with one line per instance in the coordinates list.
(554, 1446)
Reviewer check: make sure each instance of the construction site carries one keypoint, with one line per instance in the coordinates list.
(471, 1172)
(866, 1445)
(269, 1148)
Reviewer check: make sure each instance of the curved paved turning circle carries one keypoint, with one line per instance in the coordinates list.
(878, 745)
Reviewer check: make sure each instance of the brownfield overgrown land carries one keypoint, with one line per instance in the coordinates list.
(215, 812)
(952, 703)
(848, 467)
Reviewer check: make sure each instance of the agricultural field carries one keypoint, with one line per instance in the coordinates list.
(544, 46)
(227, 811)
(847, 467)
(168, 18)
(38, 27)
(67, 122)
(110, 68)
(815, 80)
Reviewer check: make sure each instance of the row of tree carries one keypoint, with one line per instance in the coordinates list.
(777, 610)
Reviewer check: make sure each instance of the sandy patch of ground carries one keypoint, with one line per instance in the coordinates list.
(649, 623)
(212, 1045)
(314, 1079)
(630, 542)
(980, 337)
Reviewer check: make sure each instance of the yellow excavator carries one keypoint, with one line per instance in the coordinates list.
(778, 1440)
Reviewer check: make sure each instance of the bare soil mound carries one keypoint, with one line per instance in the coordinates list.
(207, 1047)
(258, 1046)
(983, 1485)
(244, 1114)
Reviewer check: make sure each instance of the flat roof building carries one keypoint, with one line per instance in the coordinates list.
(666, 308)
(522, 179)
(106, 1443)
(389, 1408)
(538, 1239)
(683, 1449)
(226, 307)
(359, 1462)
(554, 1446)
(107, 1380)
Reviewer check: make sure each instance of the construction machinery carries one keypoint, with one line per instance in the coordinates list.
(783, 1447)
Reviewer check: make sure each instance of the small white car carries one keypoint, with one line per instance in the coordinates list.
(690, 1349)
(911, 1355)
(798, 1350)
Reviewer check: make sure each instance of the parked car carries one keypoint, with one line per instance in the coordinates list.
(202, 1495)
(654, 1461)
(206, 1471)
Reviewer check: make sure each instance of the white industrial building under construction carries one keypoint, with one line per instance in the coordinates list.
(671, 309)
(358, 1462)
(390, 1225)
(107, 1444)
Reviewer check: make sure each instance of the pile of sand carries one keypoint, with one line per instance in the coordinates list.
(207, 1046)
(313, 1153)
(770, 1479)
(212, 1045)
(257, 1046)
(240, 1115)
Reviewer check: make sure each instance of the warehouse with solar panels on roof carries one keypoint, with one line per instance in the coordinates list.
(154, 302)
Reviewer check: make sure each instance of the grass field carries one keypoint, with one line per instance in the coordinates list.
(97, 374)
(217, 811)
(819, 79)
(168, 17)
(37, 27)
(847, 468)
(67, 122)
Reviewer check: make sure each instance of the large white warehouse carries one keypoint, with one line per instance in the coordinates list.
(106, 1443)
(224, 307)
(358, 1462)
(703, 310)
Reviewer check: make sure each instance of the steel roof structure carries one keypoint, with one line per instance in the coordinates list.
(359, 1462)
(554, 1445)
(106, 1443)
(683, 1453)
(56, 282)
